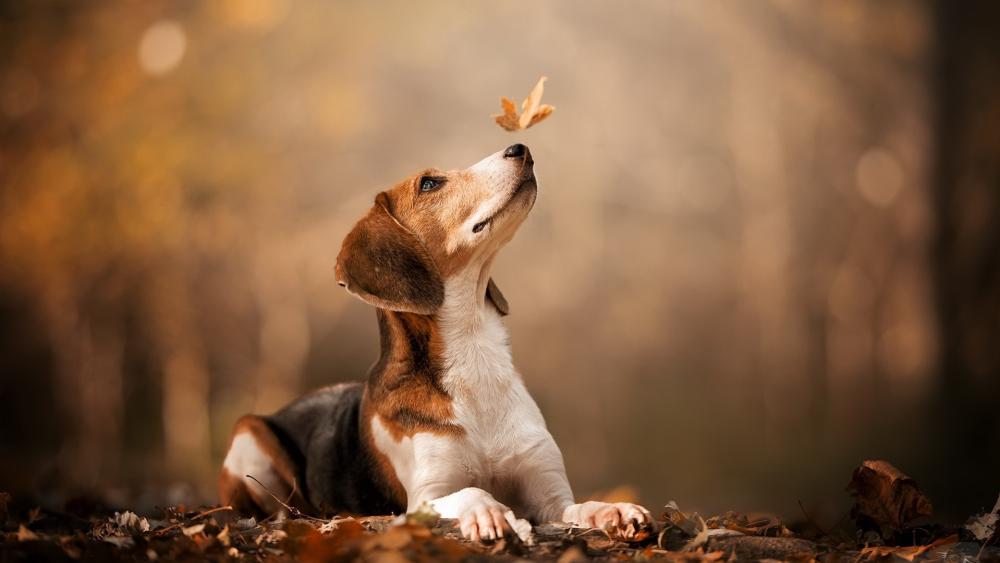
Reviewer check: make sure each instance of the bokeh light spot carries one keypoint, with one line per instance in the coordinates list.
(907, 350)
(879, 177)
(162, 47)
(255, 15)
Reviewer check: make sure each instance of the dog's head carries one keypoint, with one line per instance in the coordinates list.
(434, 225)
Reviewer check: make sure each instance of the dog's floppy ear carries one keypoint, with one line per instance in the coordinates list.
(386, 265)
(497, 298)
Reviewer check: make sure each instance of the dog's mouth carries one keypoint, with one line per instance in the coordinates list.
(529, 181)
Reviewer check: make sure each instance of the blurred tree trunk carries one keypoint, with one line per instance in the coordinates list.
(967, 249)
(88, 345)
(186, 378)
(284, 328)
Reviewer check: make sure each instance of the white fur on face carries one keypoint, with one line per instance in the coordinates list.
(499, 177)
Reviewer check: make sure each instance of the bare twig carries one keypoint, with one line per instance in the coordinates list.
(295, 488)
(198, 516)
(212, 511)
(292, 511)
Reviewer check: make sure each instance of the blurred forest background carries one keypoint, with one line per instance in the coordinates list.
(766, 244)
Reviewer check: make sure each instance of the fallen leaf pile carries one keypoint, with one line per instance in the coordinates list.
(222, 534)
(532, 109)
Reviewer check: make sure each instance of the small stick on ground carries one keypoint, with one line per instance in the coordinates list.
(292, 511)
(295, 489)
(199, 516)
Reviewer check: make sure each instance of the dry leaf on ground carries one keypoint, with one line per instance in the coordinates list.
(886, 497)
(762, 525)
(24, 534)
(688, 524)
(908, 553)
(984, 527)
(193, 530)
(532, 109)
(130, 521)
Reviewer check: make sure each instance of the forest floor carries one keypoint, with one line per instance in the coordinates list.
(888, 523)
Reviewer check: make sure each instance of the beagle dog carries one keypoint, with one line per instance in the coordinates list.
(443, 418)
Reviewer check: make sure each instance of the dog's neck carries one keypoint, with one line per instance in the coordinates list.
(465, 303)
(476, 347)
(463, 345)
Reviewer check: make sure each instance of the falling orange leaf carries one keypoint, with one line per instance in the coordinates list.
(508, 119)
(532, 109)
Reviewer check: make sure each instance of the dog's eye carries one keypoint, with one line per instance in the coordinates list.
(430, 183)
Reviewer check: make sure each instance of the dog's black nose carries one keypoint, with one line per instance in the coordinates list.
(515, 151)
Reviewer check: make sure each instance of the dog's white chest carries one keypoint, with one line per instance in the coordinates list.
(502, 424)
(489, 397)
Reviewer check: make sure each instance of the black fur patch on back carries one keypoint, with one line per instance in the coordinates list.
(321, 432)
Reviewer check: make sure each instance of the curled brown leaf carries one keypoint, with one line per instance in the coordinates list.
(886, 497)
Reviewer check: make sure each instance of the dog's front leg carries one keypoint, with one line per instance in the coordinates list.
(549, 496)
(437, 471)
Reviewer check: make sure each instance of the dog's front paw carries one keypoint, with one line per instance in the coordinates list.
(621, 519)
(482, 517)
(490, 520)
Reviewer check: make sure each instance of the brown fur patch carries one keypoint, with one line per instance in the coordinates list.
(432, 216)
(497, 298)
(385, 264)
(404, 387)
